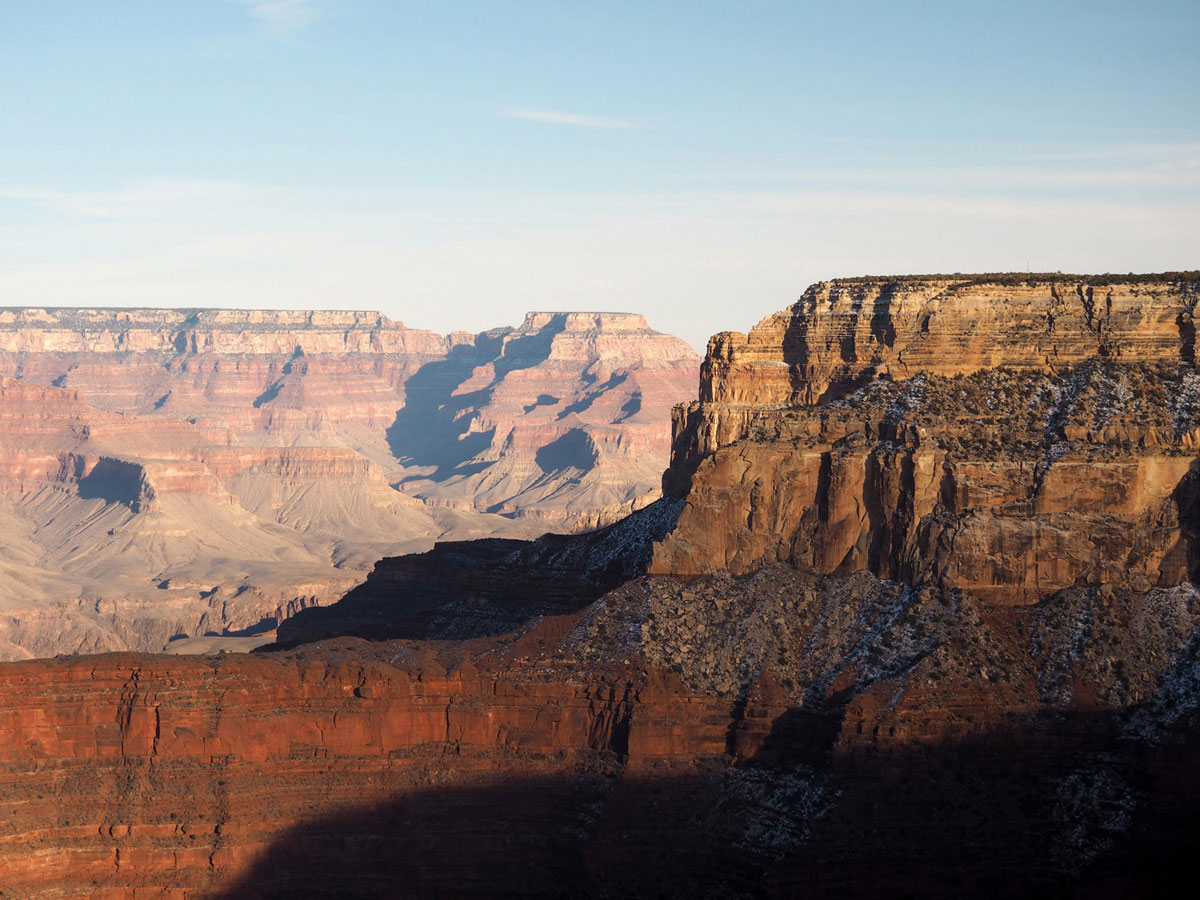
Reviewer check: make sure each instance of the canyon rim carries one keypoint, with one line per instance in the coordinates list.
(398, 498)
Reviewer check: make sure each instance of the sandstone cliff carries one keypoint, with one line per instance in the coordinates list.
(1010, 439)
(844, 332)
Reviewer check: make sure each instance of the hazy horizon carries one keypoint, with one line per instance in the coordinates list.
(455, 166)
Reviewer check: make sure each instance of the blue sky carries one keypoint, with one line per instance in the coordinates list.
(455, 164)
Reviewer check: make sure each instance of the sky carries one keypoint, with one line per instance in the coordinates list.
(456, 164)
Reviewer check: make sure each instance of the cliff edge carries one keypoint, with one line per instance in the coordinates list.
(1011, 437)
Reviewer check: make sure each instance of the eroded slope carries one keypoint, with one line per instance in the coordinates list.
(179, 473)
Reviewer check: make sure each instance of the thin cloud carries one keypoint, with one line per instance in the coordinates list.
(558, 117)
(282, 16)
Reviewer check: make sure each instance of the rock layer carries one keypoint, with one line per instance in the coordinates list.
(843, 332)
(173, 775)
(171, 473)
(1046, 438)
(934, 637)
(768, 735)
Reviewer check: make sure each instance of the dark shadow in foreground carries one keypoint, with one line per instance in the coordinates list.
(999, 815)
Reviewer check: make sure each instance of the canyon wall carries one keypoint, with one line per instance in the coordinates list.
(561, 420)
(768, 735)
(929, 636)
(166, 474)
(1011, 439)
(173, 776)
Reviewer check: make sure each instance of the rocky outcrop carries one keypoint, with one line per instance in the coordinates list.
(1049, 446)
(843, 334)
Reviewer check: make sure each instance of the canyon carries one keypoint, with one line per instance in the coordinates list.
(169, 478)
(915, 615)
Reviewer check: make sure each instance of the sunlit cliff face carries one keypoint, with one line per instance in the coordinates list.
(1009, 438)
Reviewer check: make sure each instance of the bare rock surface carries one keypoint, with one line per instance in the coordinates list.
(1050, 446)
(934, 635)
(470, 589)
(167, 474)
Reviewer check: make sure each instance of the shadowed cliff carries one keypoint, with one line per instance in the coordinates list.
(984, 817)
(479, 588)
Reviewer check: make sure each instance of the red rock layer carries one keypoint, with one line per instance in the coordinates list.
(153, 776)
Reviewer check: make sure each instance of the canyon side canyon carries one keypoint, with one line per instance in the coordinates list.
(171, 474)
(915, 615)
